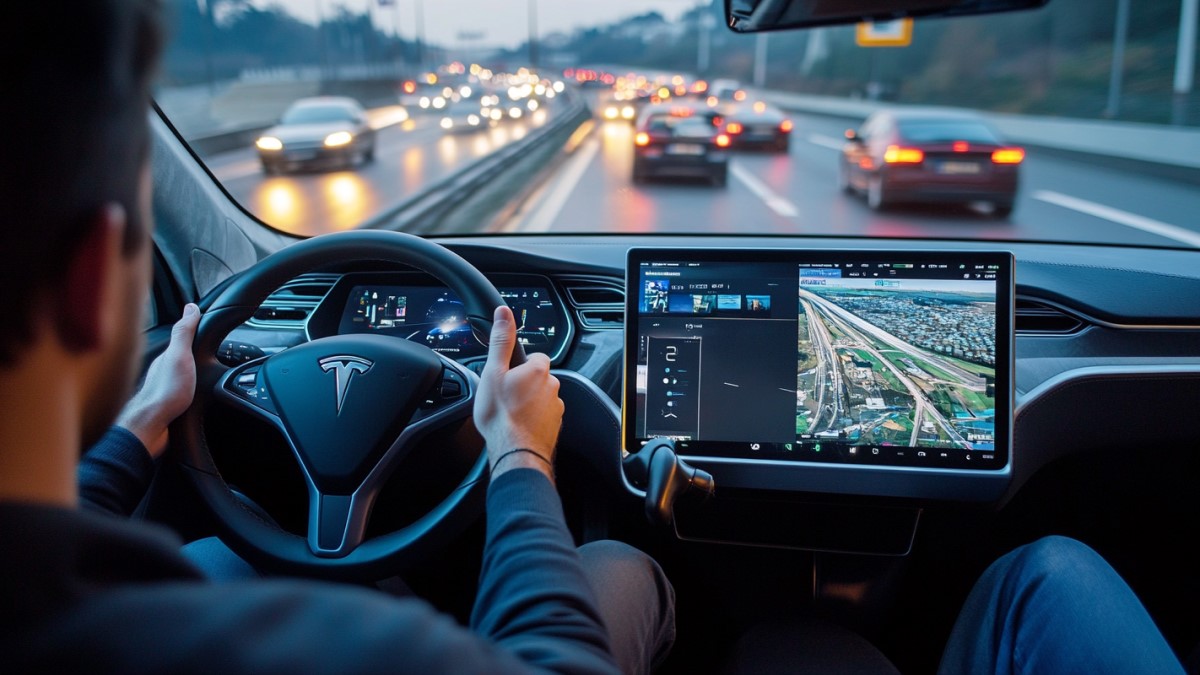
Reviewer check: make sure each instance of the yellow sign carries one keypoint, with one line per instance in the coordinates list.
(896, 33)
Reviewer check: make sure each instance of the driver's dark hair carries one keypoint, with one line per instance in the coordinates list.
(73, 119)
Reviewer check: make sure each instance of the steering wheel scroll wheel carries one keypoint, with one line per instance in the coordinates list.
(351, 408)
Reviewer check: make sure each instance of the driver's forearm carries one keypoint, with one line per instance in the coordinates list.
(534, 599)
(114, 473)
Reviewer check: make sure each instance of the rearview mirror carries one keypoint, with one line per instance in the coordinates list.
(753, 16)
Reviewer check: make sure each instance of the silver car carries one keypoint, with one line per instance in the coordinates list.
(321, 131)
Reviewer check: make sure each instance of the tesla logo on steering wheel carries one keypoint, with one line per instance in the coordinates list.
(344, 368)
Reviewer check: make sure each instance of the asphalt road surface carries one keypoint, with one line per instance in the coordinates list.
(408, 157)
(1060, 199)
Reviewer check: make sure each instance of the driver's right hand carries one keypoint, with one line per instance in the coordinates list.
(517, 408)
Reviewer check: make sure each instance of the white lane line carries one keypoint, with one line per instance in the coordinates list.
(778, 204)
(543, 218)
(826, 141)
(1120, 217)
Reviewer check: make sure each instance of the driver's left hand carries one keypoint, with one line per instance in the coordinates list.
(168, 389)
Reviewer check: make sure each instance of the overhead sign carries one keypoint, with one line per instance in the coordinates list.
(896, 33)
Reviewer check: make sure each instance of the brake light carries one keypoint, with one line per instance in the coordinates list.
(722, 141)
(733, 128)
(898, 155)
(642, 139)
(1008, 156)
(961, 146)
(785, 126)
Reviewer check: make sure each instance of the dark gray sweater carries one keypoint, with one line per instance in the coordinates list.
(85, 592)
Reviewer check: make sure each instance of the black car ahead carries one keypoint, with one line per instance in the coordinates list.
(320, 131)
(681, 141)
(757, 125)
(930, 155)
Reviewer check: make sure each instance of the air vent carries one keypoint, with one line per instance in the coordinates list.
(290, 306)
(1038, 318)
(602, 318)
(584, 296)
(599, 302)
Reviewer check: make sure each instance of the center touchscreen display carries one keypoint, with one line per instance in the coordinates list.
(849, 357)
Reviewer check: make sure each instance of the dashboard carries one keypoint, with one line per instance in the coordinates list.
(1104, 355)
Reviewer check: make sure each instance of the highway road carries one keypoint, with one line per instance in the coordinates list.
(408, 157)
(1061, 199)
(591, 190)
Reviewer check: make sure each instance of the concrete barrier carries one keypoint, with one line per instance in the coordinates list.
(1172, 152)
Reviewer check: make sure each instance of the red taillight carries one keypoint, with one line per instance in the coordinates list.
(642, 139)
(722, 141)
(785, 126)
(961, 146)
(898, 155)
(1008, 156)
(733, 128)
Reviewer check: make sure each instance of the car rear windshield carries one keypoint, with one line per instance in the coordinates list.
(935, 131)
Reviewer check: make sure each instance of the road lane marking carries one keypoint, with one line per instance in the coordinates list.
(1120, 217)
(542, 219)
(778, 204)
(826, 141)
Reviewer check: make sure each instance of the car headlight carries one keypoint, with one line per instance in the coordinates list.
(627, 112)
(269, 143)
(473, 120)
(447, 122)
(610, 113)
(338, 138)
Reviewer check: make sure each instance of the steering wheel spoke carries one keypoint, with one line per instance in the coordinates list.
(243, 387)
(351, 408)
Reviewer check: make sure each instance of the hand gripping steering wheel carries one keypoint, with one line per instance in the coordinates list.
(351, 407)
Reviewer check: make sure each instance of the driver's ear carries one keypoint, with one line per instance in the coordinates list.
(85, 308)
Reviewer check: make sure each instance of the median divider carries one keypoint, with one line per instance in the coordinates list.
(428, 210)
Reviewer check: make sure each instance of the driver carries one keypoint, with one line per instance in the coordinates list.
(83, 591)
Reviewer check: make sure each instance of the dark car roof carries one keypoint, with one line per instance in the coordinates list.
(745, 112)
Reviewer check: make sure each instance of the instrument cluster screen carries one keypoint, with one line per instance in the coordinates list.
(434, 316)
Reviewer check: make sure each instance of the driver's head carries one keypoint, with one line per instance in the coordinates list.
(75, 189)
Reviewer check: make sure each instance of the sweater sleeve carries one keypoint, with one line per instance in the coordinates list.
(534, 599)
(114, 473)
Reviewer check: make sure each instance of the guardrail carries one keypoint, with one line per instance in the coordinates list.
(423, 212)
(1172, 152)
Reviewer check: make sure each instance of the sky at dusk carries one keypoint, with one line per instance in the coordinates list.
(502, 23)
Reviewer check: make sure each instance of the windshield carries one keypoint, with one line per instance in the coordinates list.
(1093, 108)
(933, 131)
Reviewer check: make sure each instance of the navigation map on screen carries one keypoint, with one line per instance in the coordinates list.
(850, 358)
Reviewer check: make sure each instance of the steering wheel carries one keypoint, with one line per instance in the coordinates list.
(350, 406)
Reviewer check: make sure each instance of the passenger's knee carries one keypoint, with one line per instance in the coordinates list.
(1058, 558)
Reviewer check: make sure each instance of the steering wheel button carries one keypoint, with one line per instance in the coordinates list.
(451, 388)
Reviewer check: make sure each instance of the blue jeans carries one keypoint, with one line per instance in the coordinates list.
(635, 599)
(1055, 606)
